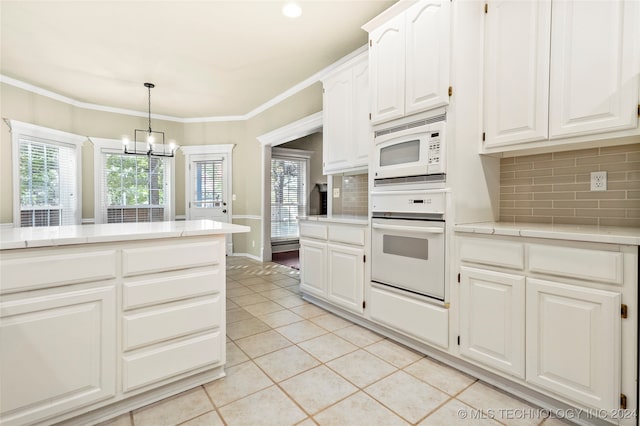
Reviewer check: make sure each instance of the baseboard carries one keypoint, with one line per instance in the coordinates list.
(250, 256)
(6, 225)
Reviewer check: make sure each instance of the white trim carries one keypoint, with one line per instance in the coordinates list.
(88, 220)
(207, 149)
(246, 216)
(250, 256)
(270, 103)
(56, 137)
(6, 225)
(114, 146)
(292, 131)
(388, 14)
(291, 153)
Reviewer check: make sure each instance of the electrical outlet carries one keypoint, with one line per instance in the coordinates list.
(336, 192)
(233, 197)
(598, 181)
(253, 243)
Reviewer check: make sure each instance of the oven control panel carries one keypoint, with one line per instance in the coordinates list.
(409, 201)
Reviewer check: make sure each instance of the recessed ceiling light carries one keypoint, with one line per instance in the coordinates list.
(291, 10)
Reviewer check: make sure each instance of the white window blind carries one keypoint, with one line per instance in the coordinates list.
(288, 200)
(208, 183)
(48, 183)
(133, 188)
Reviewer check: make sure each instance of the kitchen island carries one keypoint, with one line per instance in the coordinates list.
(97, 320)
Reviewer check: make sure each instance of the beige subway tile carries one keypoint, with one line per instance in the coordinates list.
(619, 222)
(620, 204)
(517, 182)
(633, 175)
(507, 189)
(574, 154)
(633, 213)
(629, 184)
(554, 179)
(508, 204)
(514, 167)
(615, 176)
(554, 196)
(533, 173)
(601, 212)
(506, 175)
(523, 166)
(586, 177)
(600, 195)
(534, 158)
(530, 203)
(516, 212)
(620, 148)
(534, 219)
(534, 188)
(523, 196)
(633, 156)
(632, 195)
(570, 220)
(509, 219)
(554, 212)
(571, 187)
(573, 170)
(569, 162)
(584, 204)
(635, 166)
(602, 159)
(508, 160)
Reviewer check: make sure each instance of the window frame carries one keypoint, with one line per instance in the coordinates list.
(114, 146)
(40, 134)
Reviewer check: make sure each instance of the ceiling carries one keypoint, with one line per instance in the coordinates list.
(206, 58)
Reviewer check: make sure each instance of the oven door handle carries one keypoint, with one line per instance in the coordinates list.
(416, 229)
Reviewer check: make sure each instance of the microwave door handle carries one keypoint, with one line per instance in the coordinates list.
(415, 229)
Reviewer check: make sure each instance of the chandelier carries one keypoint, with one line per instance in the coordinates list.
(152, 141)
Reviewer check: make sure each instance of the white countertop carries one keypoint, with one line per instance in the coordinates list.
(338, 218)
(16, 238)
(591, 233)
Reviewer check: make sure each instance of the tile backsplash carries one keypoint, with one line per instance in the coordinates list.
(354, 195)
(555, 187)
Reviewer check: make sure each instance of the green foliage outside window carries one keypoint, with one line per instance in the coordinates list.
(133, 180)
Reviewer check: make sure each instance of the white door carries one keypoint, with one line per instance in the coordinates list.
(346, 277)
(362, 134)
(492, 319)
(313, 277)
(594, 59)
(573, 342)
(516, 72)
(208, 197)
(58, 353)
(386, 62)
(427, 55)
(336, 135)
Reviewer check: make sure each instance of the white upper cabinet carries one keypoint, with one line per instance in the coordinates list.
(346, 128)
(427, 56)
(594, 80)
(516, 72)
(559, 69)
(409, 61)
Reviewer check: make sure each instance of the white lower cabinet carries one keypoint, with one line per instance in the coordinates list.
(58, 353)
(573, 342)
(550, 318)
(332, 259)
(492, 318)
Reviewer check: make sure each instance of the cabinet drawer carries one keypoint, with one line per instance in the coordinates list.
(313, 230)
(164, 362)
(492, 252)
(169, 322)
(49, 269)
(346, 234)
(571, 262)
(167, 257)
(401, 313)
(171, 286)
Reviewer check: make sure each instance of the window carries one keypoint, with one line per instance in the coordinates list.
(209, 188)
(46, 176)
(288, 196)
(131, 188)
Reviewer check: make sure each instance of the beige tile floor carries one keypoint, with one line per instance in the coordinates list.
(292, 363)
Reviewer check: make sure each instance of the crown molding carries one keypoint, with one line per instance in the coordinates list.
(270, 103)
(296, 130)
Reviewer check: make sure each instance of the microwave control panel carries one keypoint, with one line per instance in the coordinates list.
(434, 149)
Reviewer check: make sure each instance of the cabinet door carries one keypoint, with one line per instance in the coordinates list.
(362, 135)
(387, 67)
(58, 353)
(594, 81)
(516, 72)
(313, 257)
(427, 44)
(573, 342)
(346, 277)
(337, 122)
(492, 319)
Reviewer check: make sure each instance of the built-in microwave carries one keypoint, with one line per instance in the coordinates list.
(412, 153)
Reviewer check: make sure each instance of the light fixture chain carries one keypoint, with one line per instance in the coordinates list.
(149, 87)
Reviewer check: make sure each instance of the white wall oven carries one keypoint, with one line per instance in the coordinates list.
(412, 154)
(408, 241)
